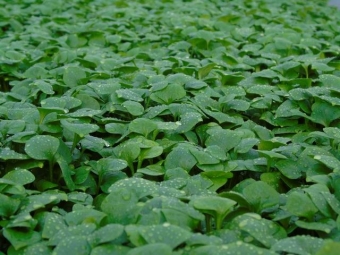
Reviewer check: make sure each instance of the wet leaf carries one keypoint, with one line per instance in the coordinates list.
(42, 147)
(301, 245)
(73, 76)
(299, 204)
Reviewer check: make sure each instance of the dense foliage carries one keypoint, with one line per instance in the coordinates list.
(169, 127)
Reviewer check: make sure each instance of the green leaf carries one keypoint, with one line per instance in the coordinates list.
(8, 154)
(8, 205)
(205, 70)
(180, 157)
(52, 225)
(106, 234)
(152, 170)
(238, 247)
(152, 152)
(134, 108)
(142, 126)
(171, 93)
(73, 75)
(81, 129)
(38, 248)
(160, 248)
(261, 196)
(219, 178)
(301, 245)
(80, 198)
(332, 132)
(74, 245)
(128, 151)
(330, 81)
(12, 126)
(84, 215)
(329, 161)
(203, 157)
(271, 154)
(289, 108)
(116, 128)
(199, 239)
(217, 207)
(225, 139)
(111, 164)
(20, 239)
(237, 197)
(246, 144)
(65, 234)
(166, 233)
(124, 199)
(215, 151)
(66, 172)
(188, 121)
(35, 72)
(238, 105)
(129, 95)
(289, 168)
(84, 113)
(88, 101)
(45, 87)
(20, 176)
(300, 204)
(139, 186)
(110, 249)
(329, 247)
(324, 113)
(263, 231)
(325, 226)
(38, 201)
(42, 147)
(223, 117)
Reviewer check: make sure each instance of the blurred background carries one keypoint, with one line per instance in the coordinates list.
(335, 3)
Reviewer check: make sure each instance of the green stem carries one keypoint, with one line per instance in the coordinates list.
(154, 134)
(132, 169)
(208, 223)
(218, 221)
(50, 166)
(269, 164)
(306, 70)
(76, 139)
(140, 162)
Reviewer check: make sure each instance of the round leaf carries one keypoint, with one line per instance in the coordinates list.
(73, 75)
(42, 147)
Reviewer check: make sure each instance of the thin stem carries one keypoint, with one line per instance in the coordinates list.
(132, 169)
(76, 139)
(208, 223)
(50, 166)
(140, 162)
(219, 221)
(306, 70)
(154, 134)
